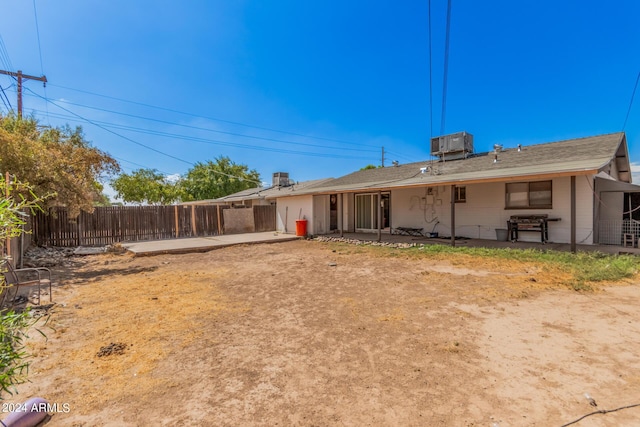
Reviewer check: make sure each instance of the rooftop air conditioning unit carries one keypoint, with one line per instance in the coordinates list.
(451, 147)
(280, 179)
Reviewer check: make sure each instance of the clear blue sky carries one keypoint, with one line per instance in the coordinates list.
(338, 79)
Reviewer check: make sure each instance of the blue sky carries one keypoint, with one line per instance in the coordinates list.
(317, 89)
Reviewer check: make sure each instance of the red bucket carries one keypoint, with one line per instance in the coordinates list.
(301, 227)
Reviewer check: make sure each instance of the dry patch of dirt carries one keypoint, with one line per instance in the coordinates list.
(308, 333)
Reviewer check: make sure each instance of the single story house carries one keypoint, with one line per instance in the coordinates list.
(583, 186)
(260, 196)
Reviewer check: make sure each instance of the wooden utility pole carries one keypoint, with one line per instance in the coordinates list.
(21, 77)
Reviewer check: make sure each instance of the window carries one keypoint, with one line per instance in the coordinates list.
(528, 195)
(461, 195)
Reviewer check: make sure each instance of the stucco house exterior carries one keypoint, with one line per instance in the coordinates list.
(582, 185)
(261, 196)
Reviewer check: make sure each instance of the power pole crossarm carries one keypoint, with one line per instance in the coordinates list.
(24, 76)
(20, 78)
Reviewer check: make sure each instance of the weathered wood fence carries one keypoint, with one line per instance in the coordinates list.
(108, 225)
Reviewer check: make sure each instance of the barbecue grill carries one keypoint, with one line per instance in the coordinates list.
(537, 223)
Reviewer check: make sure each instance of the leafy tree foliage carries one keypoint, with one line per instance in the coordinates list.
(212, 180)
(56, 161)
(369, 167)
(146, 186)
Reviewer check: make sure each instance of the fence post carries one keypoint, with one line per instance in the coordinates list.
(194, 229)
(219, 224)
(177, 222)
(80, 229)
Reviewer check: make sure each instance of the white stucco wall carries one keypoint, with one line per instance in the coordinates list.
(290, 209)
(484, 211)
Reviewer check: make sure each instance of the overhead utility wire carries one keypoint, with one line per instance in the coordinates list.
(138, 164)
(3, 100)
(35, 15)
(631, 102)
(411, 160)
(213, 130)
(136, 142)
(212, 141)
(446, 69)
(4, 56)
(430, 81)
(10, 107)
(214, 118)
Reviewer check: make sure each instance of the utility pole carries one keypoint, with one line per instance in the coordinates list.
(20, 77)
(382, 156)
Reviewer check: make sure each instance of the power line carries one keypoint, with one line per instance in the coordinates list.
(20, 77)
(35, 15)
(631, 101)
(402, 156)
(139, 143)
(4, 56)
(430, 80)
(213, 130)
(139, 165)
(446, 69)
(114, 133)
(9, 107)
(213, 141)
(214, 118)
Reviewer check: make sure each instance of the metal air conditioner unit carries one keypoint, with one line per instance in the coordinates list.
(451, 147)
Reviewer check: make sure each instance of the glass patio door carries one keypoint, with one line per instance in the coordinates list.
(366, 214)
(367, 208)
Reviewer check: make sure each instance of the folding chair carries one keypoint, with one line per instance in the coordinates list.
(17, 277)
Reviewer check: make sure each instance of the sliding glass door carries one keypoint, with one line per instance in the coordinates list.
(367, 208)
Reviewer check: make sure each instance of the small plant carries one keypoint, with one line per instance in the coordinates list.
(14, 364)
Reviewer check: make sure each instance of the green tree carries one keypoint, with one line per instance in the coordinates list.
(212, 180)
(369, 167)
(146, 186)
(56, 161)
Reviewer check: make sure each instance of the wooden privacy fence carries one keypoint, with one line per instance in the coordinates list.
(113, 224)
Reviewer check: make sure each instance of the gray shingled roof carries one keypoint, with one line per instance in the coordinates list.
(579, 155)
(261, 193)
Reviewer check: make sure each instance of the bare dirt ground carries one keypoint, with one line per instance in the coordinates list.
(308, 333)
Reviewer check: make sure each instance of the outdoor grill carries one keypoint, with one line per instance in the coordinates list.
(537, 223)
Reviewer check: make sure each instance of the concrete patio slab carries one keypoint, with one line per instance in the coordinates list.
(204, 244)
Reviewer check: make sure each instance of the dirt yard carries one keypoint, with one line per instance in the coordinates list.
(308, 333)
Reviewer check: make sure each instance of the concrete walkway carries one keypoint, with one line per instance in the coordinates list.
(204, 244)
